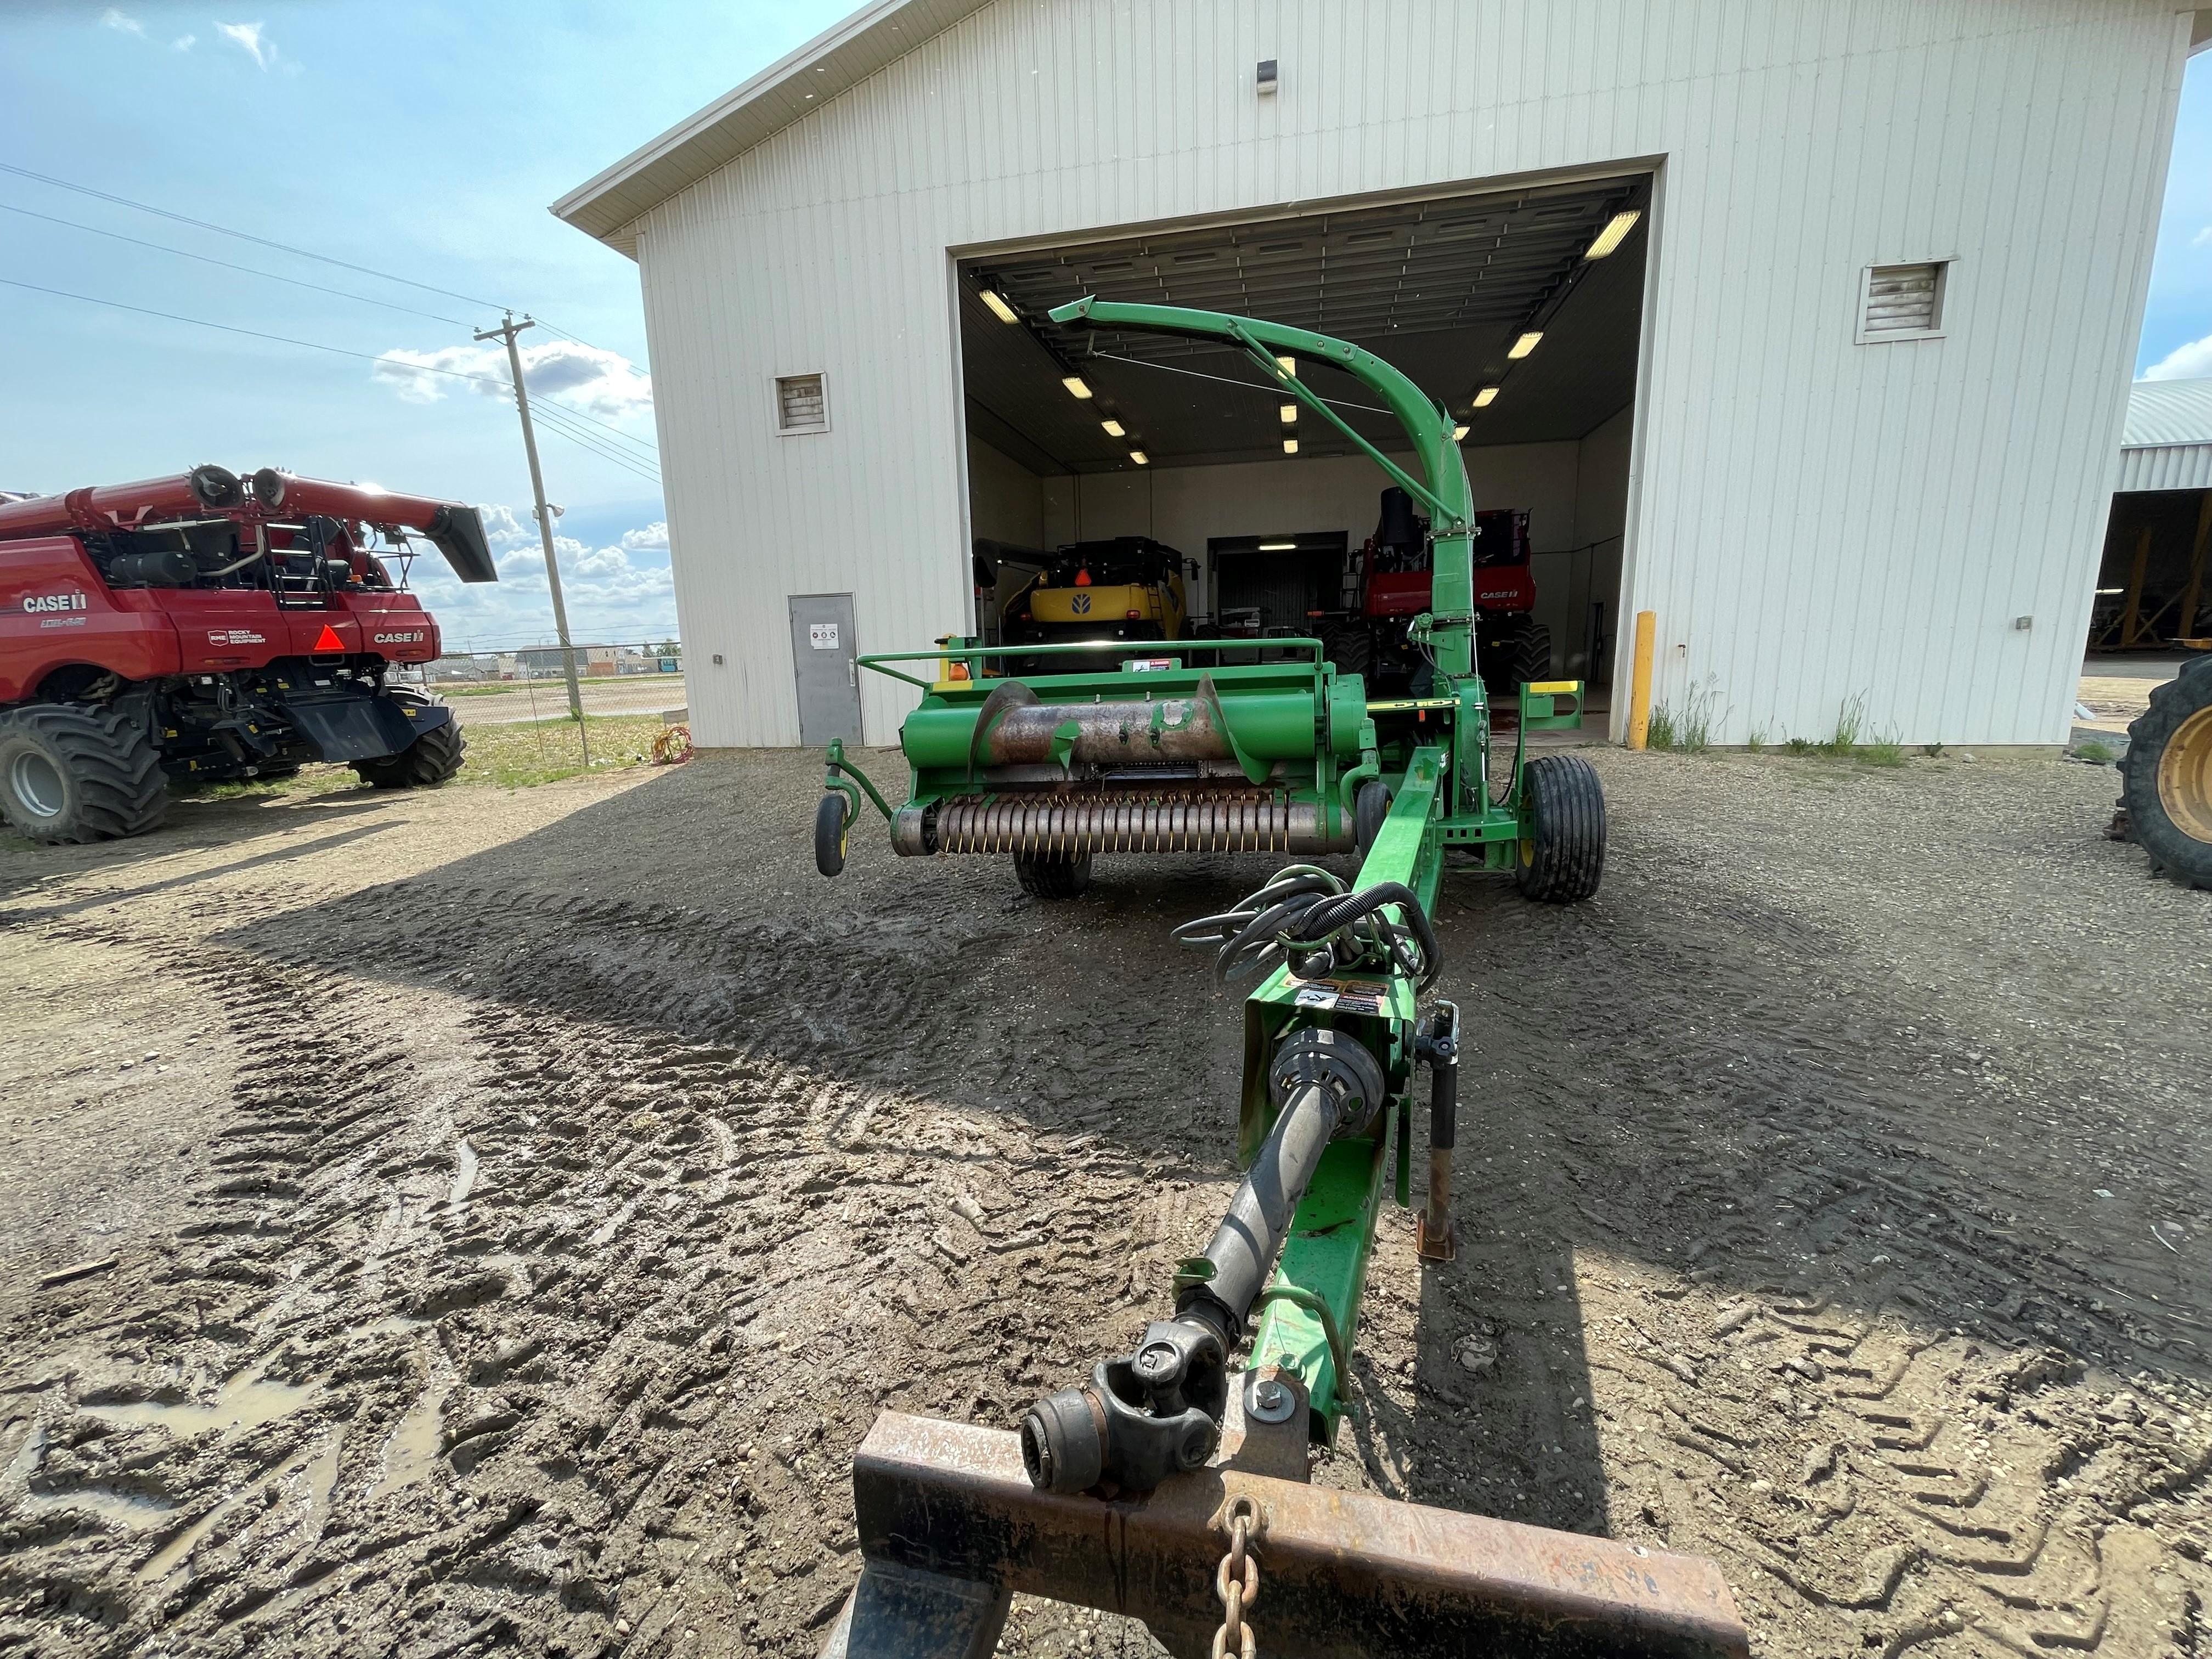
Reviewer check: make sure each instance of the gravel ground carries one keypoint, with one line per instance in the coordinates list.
(516, 1205)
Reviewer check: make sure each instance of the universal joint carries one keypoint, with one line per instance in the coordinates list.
(1141, 1419)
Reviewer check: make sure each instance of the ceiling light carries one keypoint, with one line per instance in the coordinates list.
(1459, 432)
(2112, 590)
(1613, 235)
(1289, 412)
(1290, 446)
(1114, 428)
(1289, 366)
(1279, 547)
(999, 308)
(1075, 385)
(1488, 396)
(1138, 456)
(1522, 347)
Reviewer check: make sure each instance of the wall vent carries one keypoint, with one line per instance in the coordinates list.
(1901, 302)
(801, 403)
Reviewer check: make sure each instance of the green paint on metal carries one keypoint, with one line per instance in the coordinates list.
(1332, 1237)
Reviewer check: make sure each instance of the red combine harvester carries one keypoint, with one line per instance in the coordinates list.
(211, 628)
(1387, 585)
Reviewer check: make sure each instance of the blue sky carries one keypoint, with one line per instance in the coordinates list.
(425, 141)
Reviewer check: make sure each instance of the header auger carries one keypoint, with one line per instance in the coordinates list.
(1170, 1482)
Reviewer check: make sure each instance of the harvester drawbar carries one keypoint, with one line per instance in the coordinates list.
(1170, 1485)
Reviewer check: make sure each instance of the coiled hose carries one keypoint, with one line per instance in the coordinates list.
(1308, 916)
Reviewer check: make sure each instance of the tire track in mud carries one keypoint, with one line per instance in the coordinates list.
(1739, 1270)
(552, 1399)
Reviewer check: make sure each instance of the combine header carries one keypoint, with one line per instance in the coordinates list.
(1170, 1485)
(209, 628)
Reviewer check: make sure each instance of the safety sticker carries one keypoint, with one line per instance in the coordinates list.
(1342, 996)
(822, 636)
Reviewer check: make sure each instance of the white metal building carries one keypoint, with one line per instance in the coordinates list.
(1845, 410)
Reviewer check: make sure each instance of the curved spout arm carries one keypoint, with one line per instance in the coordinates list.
(1445, 493)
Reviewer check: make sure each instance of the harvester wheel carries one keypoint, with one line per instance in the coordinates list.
(1521, 657)
(1368, 808)
(830, 835)
(1351, 646)
(1053, 875)
(430, 760)
(70, 773)
(2166, 777)
(1562, 858)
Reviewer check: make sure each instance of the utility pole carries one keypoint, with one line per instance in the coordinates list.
(507, 330)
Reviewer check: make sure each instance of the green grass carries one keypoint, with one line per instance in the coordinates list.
(1687, 730)
(507, 756)
(2102, 753)
(1850, 741)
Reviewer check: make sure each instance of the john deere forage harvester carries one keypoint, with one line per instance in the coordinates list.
(1167, 753)
(1167, 1481)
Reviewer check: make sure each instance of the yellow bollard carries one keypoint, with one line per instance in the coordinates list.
(1640, 680)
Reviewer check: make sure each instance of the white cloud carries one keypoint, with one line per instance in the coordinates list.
(248, 38)
(115, 20)
(2202, 237)
(2192, 361)
(605, 383)
(653, 538)
(610, 599)
(184, 43)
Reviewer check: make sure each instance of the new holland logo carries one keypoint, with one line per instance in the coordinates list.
(1080, 605)
(35, 602)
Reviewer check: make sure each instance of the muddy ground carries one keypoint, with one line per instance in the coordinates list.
(517, 1205)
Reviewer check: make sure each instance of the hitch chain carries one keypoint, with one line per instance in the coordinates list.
(1236, 1582)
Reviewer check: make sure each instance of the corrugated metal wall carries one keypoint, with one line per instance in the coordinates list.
(1813, 520)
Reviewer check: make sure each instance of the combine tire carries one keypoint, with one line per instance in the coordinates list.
(1350, 647)
(1368, 808)
(74, 773)
(430, 760)
(1053, 875)
(830, 835)
(1523, 656)
(2166, 777)
(1563, 859)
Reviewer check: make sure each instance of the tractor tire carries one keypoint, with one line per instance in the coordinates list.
(430, 760)
(2167, 777)
(1350, 647)
(1053, 876)
(73, 773)
(1368, 808)
(1563, 859)
(1520, 656)
(830, 822)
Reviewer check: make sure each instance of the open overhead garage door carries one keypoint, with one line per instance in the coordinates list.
(1076, 436)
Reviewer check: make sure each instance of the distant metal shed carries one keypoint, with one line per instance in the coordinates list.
(2167, 443)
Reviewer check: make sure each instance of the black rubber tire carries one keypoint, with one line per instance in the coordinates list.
(2175, 852)
(1053, 876)
(829, 834)
(430, 760)
(1564, 860)
(1520, 656)
(1368, 808)
(1351, 648)
(74, 773)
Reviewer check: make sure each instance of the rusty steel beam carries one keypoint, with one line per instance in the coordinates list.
(940, 1505)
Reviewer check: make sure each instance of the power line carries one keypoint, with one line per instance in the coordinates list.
(271, 276)
(224, 230)
(281, 247)
(280, 339)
